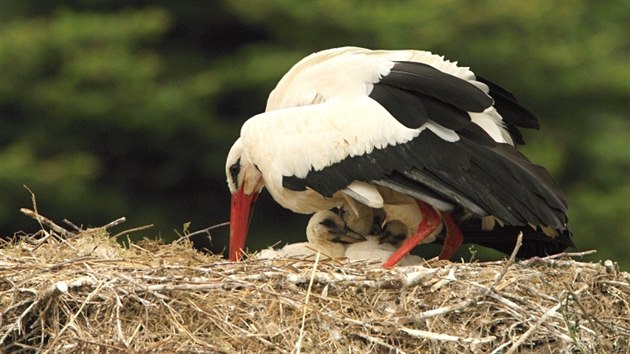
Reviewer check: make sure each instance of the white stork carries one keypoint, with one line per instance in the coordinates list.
(350, 126)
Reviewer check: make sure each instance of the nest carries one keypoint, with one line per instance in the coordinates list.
(81, 291)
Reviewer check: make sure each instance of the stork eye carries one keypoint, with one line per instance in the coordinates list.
(399, 237)
(337, 211)
(329, 223)
(235, 169)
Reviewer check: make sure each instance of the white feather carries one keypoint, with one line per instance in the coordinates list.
(490, 121)
(294, 141)
(355, 70)
(320, 114)
(371, 249)
(445, 134)
(365, 193)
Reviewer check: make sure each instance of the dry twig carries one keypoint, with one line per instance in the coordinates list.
(45, 221)
(87, 293)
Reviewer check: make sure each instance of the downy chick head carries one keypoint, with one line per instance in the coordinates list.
(394, 232)
(327, 225)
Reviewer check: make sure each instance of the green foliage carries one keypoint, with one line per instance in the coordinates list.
(89, 106)
(110, 109)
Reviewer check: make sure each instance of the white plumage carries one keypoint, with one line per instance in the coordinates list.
(315, 119)
(383, 245)
(326, 233)
(371, 249)
(312, 138)
(351, 126)
(329, 234)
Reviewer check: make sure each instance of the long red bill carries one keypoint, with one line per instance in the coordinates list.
(240, 215)
(430, 222)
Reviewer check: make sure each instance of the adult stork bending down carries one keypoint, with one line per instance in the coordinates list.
(350, 126)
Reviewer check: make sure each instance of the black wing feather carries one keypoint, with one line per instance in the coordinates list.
(429, 81)
(513, 113)
(475, 172)
(414, 92)
(509, 108)
(484, 179)
(446, 115)
(503, 239)
(406, 107)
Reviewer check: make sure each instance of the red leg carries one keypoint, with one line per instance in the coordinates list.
(430, 221)
(454, 237)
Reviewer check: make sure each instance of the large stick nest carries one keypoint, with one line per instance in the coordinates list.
(79, 290)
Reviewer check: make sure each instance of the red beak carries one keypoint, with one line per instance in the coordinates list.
(240, 214)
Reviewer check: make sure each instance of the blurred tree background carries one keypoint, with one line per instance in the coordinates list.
(114, 108)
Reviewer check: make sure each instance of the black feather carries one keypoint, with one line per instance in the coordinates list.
(429, 81)
(487, 180)
(509, 108)
(476, 134)
(513, 113)
(415, 93)
(402, 105)
(503, 238)
(444, 114)
(294, 183)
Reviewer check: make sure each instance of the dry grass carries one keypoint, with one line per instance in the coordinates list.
(80, 291)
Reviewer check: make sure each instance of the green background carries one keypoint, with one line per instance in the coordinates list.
(128, 108)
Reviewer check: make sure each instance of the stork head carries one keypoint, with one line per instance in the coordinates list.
(394, 232)
(245, 182)
(326, 225)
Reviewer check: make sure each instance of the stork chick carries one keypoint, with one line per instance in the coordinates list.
(383, 244)
(326, 232)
